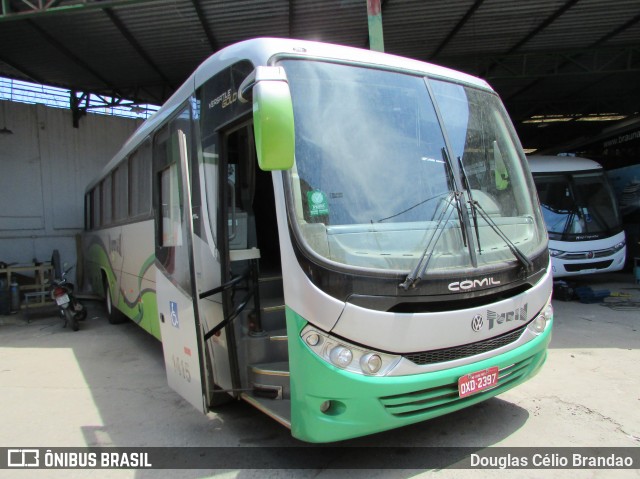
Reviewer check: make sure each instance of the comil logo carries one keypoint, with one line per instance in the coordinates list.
(23, 458)
(472, 284)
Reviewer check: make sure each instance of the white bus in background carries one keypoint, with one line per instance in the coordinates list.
(582, 217)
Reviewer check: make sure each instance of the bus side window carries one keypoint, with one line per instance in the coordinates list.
(106, 201)
(170, 207)
(140, 181)
(87, 212)
(121, 192)
(96, 207)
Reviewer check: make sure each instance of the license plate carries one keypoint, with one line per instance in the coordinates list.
(476, 382)
(64, 299)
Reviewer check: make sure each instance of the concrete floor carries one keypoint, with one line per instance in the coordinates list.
(105, 386)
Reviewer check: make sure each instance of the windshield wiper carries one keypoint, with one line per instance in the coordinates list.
(419, 270)
(461, 219)
(472, 202)
(520, 256)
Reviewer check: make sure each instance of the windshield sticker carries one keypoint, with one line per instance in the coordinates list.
(317, 202)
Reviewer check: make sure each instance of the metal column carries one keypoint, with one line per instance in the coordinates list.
(376, 38)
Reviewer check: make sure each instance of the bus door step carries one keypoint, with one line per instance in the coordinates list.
(278, 410)
(267, 392)
(271, 380)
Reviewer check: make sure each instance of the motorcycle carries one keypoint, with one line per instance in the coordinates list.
(70, 309)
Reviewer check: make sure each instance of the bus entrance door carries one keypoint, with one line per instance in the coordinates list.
(175, 279)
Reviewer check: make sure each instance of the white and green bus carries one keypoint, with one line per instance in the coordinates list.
(347, 240)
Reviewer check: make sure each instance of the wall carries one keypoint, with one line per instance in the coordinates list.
(45, 166)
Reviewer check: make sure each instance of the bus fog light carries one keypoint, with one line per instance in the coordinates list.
(371, 363)
(341, 356)
(325, 406)
(313, 339)
(539, 324)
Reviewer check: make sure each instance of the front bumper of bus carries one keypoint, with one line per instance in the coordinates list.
(331, 404)
(588, 257)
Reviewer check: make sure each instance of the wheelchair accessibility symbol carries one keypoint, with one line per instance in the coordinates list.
(173, 307)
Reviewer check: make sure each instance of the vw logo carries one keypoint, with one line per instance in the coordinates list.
(477, 322)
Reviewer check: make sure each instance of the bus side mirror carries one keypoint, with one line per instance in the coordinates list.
(273, 124)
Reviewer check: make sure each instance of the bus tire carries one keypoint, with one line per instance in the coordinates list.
(113, 314)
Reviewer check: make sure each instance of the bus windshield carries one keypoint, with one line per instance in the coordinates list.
(578, 206)
(377, 154)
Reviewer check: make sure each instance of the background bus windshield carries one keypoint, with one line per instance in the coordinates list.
(577, 204)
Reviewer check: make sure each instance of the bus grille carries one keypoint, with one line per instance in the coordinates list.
(572, 268)
(430, 400)
(459, 352)
(603, 253)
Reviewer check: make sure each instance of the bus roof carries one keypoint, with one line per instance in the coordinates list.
(259, 51)
(558, 164)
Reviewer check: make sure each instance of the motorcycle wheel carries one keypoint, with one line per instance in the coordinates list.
(71, 319)
(81, 314)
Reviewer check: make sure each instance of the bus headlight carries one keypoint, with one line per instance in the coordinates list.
(555, 252)
(371, 363)
(341, 356)
(539, 324)
(619, 246)
(349, 357)
(313, 339)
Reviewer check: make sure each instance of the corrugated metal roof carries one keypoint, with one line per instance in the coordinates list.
(543, 57)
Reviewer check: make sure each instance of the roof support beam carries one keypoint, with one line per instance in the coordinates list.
(548, 21)
(552, 18)
(628, 24)
(24, 71)
(205, 26)
(531, 65)
(60, 7)
(456, 29)
(69, 54)
(136, 46)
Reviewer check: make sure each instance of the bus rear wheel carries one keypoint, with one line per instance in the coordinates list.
(113, 315)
